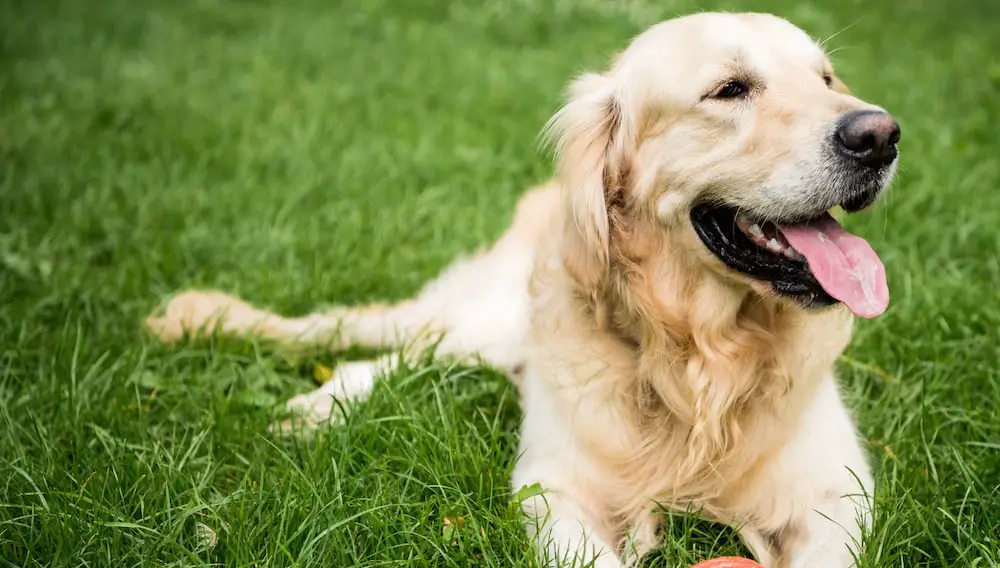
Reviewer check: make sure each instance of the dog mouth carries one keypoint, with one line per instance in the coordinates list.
(815, 261)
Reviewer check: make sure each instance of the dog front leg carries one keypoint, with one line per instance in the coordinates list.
(564, 534)
(812, 505)
(564, 511)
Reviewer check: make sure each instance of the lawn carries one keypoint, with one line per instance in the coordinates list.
(305, 152)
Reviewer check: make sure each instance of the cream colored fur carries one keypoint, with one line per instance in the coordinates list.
(649, 373)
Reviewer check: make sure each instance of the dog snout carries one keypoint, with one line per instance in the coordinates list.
(869, 137)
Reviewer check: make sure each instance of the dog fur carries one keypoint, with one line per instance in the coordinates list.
(651, 375)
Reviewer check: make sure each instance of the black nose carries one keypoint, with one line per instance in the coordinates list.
(868, 136)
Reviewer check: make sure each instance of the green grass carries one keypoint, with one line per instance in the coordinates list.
(304, 152)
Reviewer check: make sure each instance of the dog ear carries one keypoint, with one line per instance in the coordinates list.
(590, 133)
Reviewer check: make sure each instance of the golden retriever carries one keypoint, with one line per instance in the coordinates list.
(670, 307)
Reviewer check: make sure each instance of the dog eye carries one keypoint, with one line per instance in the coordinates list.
(732, 90)
(828, 79)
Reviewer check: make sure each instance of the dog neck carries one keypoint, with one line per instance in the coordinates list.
(714, 363)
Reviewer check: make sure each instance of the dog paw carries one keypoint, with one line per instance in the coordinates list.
(351, 383)
(307, 413)
(193, 311)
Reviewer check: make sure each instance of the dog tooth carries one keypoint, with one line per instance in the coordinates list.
(756, 231)
(774, 246)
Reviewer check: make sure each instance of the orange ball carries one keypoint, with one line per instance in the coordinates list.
(728, 562)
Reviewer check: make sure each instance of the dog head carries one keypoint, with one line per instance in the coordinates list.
(725, 139)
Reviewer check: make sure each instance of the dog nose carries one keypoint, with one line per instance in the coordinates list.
(868, 136)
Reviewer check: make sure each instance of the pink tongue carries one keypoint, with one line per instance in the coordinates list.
(845, 265)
